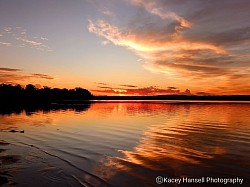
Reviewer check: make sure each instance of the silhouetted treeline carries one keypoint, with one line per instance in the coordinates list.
(30, 95)
(16, 98)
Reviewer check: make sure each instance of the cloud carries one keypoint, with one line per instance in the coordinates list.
(188, 70)
(104, 87)
(101, 83)
(149, 40)
(17, 76)
(43, 76)
(187, 41)
(157, 50)
(18, 37)
(172, 88)
(43, 38)
(108, 13)
(7, 30)
(203, 93)
(30, 42)
(7, 44)
(155, 9)
(105, 42)
(128, 85)
(9, 70)
(130, 90)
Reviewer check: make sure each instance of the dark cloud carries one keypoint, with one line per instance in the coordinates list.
(194, 70)
(105, 87)
(222, 23)
(9, 70)
(172, 88)
(14, 76)
(202, 42)
(230, 37)
(128, 85)
(152, 90)
(101, 83)
(43, 76)
(203, 93)
(199, 69)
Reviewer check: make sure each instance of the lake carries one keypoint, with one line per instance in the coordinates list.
(127, 144)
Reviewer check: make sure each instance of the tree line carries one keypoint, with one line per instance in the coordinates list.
(10, 94)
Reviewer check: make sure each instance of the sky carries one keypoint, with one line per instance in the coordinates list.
(127, 47)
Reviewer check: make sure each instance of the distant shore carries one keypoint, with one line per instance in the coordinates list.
(16, 99)
(177, 97)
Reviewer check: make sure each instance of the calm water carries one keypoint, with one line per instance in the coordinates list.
(126, 144)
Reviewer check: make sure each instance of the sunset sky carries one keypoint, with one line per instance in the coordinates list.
(127, 47)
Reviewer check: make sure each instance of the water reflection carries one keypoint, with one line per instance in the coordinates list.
(31, 109)
(186, 145)
(151, 108)
(129, 144)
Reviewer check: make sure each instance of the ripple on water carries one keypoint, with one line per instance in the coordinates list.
(135, 142)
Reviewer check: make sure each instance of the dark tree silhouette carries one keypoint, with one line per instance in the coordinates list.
(30, 95)
(30, 88)
(16, 98)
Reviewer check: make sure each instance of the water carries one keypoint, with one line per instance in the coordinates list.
(126, 144)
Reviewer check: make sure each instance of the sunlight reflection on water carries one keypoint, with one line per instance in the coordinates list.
(129, 144)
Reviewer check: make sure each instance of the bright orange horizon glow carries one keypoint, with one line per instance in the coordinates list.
(153, 47)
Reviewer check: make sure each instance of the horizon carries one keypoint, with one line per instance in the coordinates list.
(187, 93)
(127, 47)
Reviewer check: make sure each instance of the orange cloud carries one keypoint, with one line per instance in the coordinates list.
(128, 85)
(147, 44)
(9, 69)
(43, 76)
(133, 90)
(17, 76)
(185, 51)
